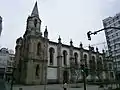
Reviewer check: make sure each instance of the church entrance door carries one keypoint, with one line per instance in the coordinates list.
(65, 77)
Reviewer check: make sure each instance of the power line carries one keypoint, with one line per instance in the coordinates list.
(96, 44)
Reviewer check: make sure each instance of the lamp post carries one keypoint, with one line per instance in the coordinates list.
(45, 72)
(89, 33)
(95, 32)
(11, 88)
(84, 75)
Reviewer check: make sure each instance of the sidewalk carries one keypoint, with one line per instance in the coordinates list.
(54, 87)
(7, 85)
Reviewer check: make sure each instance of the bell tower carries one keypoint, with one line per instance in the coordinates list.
(34, 22)
(33, 52)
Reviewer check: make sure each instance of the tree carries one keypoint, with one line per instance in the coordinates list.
(76, 73)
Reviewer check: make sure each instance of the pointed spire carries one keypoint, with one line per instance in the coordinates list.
(46, 32)
(35, 10)
(97, 49)
(46, 29)
(81, 45)
(89, 47)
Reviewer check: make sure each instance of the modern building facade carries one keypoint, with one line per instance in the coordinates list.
(39, 60)
(6, 63)
(113, 40)
(0, 25)
(4, 57)
(109, 66)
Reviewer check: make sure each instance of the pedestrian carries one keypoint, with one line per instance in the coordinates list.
(65, 86)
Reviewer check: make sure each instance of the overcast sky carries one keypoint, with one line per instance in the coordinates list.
(71, 19)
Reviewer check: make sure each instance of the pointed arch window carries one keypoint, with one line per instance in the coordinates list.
(99, 64)
(85, 58)
(76, 58)
(93, 59)
(90, 64)
(100, 59)
(93, 62)
(51, 54)
(65, 57)
(37, 70)
(38, 48)
(35, 22)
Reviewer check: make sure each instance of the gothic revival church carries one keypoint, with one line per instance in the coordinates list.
(39, 60)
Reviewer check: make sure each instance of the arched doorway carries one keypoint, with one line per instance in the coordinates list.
(65, 77)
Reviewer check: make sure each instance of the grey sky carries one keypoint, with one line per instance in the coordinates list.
(71, 19)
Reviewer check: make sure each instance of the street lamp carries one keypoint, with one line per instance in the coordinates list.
(84, 75)
(11, 88)
(89, 33)
(95, 32)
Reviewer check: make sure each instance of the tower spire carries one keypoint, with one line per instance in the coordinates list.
(35, 10)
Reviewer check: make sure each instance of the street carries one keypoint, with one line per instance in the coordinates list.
(6, 86)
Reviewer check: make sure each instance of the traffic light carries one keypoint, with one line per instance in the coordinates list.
(82, 66)
(88, 34)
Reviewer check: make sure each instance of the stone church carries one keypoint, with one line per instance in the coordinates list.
(39, 60)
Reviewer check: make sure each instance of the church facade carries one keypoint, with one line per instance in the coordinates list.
(39, 60)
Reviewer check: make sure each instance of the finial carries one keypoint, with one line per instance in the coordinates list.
(81, 45)
(59, 39)
(89, 47)
(97, 49)
(45, 28)
(46, 32)
(71, 43)
(103, 51)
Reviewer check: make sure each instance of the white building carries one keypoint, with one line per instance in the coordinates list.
(113, 40)
(39, 60)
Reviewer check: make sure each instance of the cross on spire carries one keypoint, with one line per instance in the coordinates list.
(35, 10)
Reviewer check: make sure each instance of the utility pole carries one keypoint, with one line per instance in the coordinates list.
(84, 75)
(11, 88)
(45, 72)
(84, 78)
